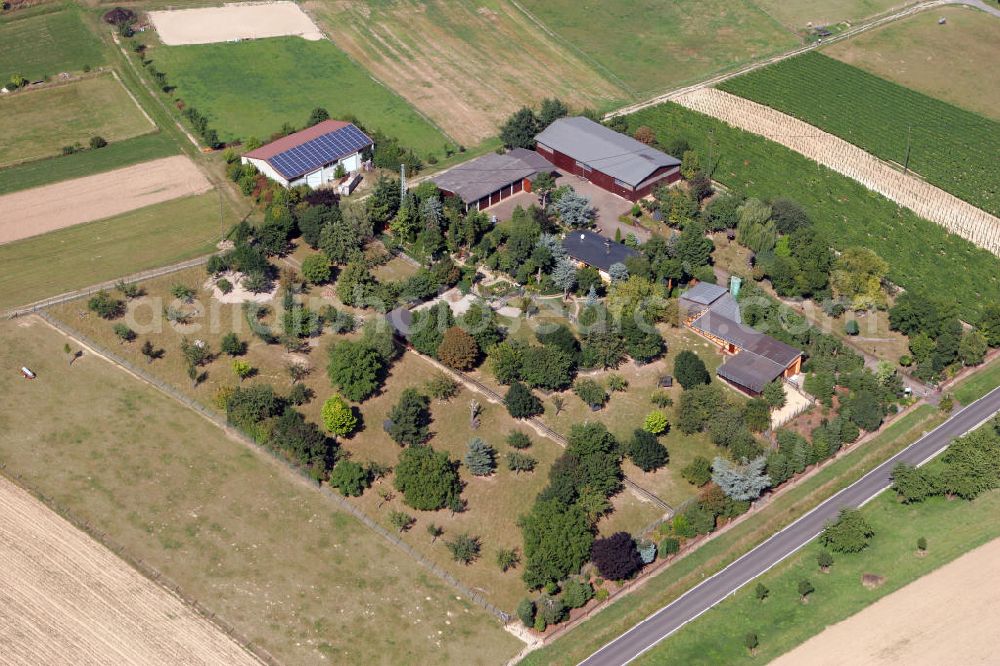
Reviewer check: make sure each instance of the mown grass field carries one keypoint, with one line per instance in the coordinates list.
(797, 14)
(45, 44)
(249, 541)
(86, 163)
(943, 61)
(951, 528)
(724, 548)
(62, 115)
(78, 256)
(252, 88)
(979, 384)
(950, 147)
(922, 256)
(648, 46)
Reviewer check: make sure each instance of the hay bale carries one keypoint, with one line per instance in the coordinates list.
(871, 581)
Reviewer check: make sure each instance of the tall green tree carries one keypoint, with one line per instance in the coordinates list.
(427, 478)
(520, 128)
(356, 369)
(409, 419)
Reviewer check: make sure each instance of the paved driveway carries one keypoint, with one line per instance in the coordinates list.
(609, 207)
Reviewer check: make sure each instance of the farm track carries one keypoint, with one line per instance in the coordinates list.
(65, 599)
(927, 201)
(672, 95)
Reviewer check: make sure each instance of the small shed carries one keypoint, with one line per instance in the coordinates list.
(665, 381)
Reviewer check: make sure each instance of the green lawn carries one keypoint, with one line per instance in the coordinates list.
(50, 118)
(651, 45)
(728, 546)
(951, 528)
(252, 88)
(921, 254)
(979, 384)
(47, 44)
(78, 256)
(86, 163)
(252, 543)
(952, 148)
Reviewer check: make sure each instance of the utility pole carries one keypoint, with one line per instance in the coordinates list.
(906, 160)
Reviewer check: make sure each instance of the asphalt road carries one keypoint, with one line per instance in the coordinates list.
(711, 591)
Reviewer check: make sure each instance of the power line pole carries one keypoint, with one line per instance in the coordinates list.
(906, 160)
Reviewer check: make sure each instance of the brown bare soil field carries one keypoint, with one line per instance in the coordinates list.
(208, 25)
(43, 209)
(927, 201)
(947, 617)
(465, 65)
(66, 599)
(943, 61)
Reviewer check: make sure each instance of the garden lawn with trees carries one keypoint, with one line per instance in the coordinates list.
(950, 147)
(919, 253)
(290, 76)
(781, 620)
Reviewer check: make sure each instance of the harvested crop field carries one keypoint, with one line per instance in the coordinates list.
(235, 22)
(466, 65)
(43, 209)
(66, 599)
(927, 201)
(947, 617)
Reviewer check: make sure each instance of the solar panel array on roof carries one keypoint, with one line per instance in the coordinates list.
(320, 151)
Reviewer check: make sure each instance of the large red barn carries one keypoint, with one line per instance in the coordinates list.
(611, 160)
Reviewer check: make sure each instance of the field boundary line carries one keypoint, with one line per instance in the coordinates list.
(264, 452)
(611, 76)
(319, 27)
(134, 100)
(152, 93)
(144, 569)
(21, 310)
(932, 203)
(670, 95)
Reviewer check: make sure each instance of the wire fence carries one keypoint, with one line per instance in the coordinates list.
(38, 306)
(339, 500)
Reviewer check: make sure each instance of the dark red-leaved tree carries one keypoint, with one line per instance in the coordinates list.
(616, 557)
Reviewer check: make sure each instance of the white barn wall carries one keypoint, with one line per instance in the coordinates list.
(315, 179)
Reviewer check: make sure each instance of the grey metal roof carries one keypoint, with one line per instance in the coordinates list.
(716, 324)
(704, 293)
(475, 179)
(400, 319)
(751, 371)
(618, 155)
(596, 250)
